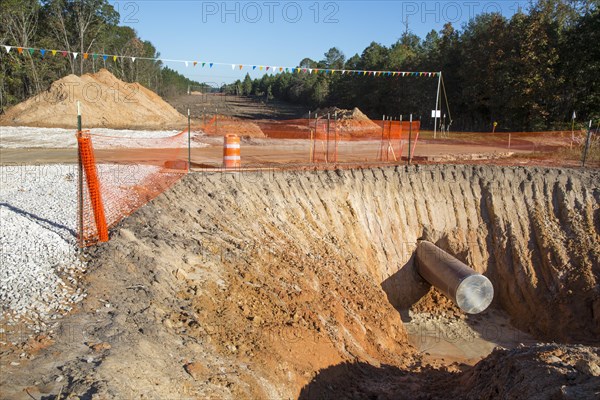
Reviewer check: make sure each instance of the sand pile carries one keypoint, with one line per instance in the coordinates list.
(106, 102)
(342, 114)
(223, 125)
(349, 122)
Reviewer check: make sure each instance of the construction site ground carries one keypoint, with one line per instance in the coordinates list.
(295, 280)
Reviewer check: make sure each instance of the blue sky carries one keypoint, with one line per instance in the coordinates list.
(281, 33)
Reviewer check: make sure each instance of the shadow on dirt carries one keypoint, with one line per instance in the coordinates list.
(364, 381)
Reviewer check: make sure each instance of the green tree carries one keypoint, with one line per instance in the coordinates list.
(247, 85)
(334, 59)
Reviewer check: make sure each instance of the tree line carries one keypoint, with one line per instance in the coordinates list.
(527, 72)
(83, 26)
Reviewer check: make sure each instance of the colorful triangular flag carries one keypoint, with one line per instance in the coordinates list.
(31, 51)
(74, 56)
(7, 48)
(43, 51)
(53, 53)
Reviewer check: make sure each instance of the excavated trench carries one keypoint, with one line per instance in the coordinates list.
(533, 232)
(293, 284)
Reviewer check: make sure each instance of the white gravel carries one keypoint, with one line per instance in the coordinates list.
(39, 258)
(12, 137)
(40, 262)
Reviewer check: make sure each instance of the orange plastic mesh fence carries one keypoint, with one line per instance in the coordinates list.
(315, 140)
(286, 143)
(396, 136)
(124, 173)
(121, 174)
(92, 196)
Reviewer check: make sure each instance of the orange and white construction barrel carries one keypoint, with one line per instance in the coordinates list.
(231, 152)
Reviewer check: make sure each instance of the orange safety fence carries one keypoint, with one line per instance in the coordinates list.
(301, 141)
(121, 174)
(92, 196)
(396, 136)
(327, 140)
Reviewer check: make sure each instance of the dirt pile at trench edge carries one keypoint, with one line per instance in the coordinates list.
(539, 372)
(265, 285)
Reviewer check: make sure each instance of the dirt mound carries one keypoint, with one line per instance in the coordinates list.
(349, 122)
(547, 371)
(342, 114)
(540, 372)
(271, 285)
(105, 101)
(221, 125)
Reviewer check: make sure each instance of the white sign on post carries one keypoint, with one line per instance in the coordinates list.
(436, 113)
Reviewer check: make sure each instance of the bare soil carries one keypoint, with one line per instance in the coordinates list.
(203, 105)
(294, 284)
(105, 102)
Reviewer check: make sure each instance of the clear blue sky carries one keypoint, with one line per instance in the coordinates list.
(281, 33)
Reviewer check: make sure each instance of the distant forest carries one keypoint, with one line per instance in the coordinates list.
(83, 26)
(529, 72)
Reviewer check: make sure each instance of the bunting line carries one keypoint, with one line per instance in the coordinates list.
(268, 68)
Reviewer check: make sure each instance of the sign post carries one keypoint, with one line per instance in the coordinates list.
(409, 140)
(573, 127)
(587, 144)
(80, 177)
(437, 101)
(189, 143)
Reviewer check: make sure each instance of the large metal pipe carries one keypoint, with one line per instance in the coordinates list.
(471, 291)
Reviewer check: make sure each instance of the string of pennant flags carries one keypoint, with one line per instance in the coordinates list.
(267, 68)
